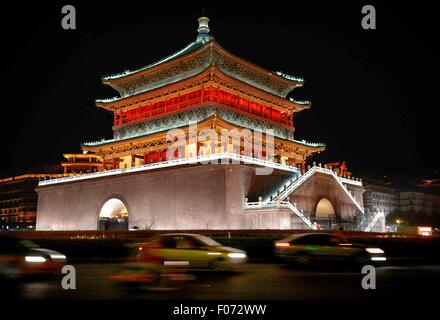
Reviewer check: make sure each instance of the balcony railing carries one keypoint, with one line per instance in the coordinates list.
(210, 97)
(221, 158)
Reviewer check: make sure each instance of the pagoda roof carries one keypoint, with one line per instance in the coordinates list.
(187, 49)
(212, 76)
(196, 56)
(217, 118)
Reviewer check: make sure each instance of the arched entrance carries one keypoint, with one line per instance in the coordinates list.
(325, 214)
(113, 215)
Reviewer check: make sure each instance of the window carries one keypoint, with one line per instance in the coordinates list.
(169, 243)
(317, 239)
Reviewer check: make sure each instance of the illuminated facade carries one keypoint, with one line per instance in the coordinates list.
(18, 200)
(201, 104)
(82, 163)
(202, 84)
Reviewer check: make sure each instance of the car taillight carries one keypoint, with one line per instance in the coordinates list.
(282, 244)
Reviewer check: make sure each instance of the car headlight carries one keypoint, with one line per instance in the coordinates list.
(236, 255)
(374, 250)
(378, 259)
(35, 259)
(58, 256)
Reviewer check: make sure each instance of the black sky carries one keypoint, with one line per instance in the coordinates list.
(374, 93)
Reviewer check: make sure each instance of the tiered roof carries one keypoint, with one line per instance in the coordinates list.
(198, 56)
(201, 65)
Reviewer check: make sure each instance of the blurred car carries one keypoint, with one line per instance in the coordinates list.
(192, 251)
(151, 276)
(21, 258)
(305, 249)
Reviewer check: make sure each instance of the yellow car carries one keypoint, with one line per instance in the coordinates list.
(192, 251)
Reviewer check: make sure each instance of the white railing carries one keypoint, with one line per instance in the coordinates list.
(373, 221)
(351, 181)
(361, 209)
(281, 187)
(281, 204)
(225, 158)
(287, 191)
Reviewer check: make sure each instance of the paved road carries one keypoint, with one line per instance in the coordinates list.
(258, 281)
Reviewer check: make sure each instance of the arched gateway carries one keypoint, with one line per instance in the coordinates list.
(325, 213)
(113, 215)
(324, 209)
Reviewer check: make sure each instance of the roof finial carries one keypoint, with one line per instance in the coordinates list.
(203, 29)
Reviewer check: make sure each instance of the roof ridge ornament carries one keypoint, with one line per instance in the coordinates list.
(203, 30)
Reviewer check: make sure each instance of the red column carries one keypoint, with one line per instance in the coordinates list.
(203, 95)
(163, 155)
(303, 165)
(104, 165)
(145, 158)
(133, 160)
(114, 163)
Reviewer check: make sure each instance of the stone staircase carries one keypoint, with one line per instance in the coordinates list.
(277, 197)
(281, 204)
(295, 182)
(370, 220)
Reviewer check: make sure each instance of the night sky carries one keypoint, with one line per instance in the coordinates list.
(374, 92)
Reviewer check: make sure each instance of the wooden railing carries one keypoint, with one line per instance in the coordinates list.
(211, 97)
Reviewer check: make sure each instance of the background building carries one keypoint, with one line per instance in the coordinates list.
(18, 196)
(419, 201)
(404, 204)
(18, 200)
(380, 196)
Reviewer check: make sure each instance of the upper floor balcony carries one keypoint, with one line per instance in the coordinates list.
(201, 98)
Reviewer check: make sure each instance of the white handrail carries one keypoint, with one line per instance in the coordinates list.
(373, 221)
(345, 189)
(285, 193)
(226, 156)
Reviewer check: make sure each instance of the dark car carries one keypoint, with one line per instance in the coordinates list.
(305, 249)
(21, 258)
